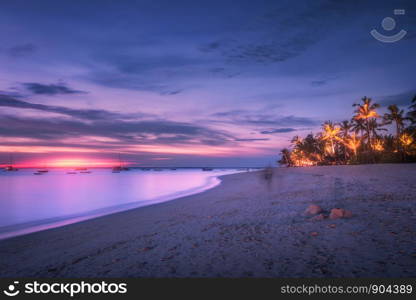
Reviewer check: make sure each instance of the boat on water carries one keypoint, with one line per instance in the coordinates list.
(121, 167)
(85, 172)
(38, 173)
(207, 169)
(71, 173)
(10, 169)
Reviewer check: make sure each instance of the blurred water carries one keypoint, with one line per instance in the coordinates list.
(31, 203)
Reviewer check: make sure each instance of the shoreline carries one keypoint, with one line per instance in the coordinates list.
(20, 229)
(242, 228)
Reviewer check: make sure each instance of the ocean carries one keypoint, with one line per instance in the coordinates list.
(30, 203)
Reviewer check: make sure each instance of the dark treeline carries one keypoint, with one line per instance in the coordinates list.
(363, 139)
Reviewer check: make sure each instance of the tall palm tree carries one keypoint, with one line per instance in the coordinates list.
(353, 143)
(358, 126)
(345, 128)
(412, 113)
(366, 111)
(330, 134)
(375, 128)
(397, 116)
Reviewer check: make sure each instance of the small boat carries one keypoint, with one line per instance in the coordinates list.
(38, 173)
(117, 169)
(10, 169)
(71, 172)
(207, 169)
(85, 172)
(42, 171)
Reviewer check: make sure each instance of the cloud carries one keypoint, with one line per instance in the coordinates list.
(402, 99)
(21, 50)
(243, 117)
(252, 140)
(279, 130)
(125, 132)
(50, 89)
(286, 31)
(130, 129)
(87, 114)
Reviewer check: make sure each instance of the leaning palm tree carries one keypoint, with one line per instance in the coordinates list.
(366, 112)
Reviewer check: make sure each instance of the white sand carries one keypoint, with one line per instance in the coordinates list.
(241, 228)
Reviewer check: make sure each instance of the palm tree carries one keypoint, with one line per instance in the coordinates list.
(375, 127)
(366, 112)
(358, 126)
(285, 157)
(330, 133)
(397, 116)
(353, 143)
(345, 128)
(296, 140)
(412, 113)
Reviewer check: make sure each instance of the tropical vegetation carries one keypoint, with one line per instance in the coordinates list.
(362, 139)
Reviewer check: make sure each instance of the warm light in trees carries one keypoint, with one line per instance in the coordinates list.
(353, 143)
(378, 145)
(406, 139)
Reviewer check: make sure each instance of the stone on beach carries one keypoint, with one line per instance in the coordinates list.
(338, 213)
(313, 209)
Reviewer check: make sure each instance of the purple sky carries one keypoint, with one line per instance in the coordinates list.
(190, 83)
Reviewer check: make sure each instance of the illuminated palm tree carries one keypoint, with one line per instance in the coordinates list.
(330, 134)
(366, 112)
(353, 143)
(406, 140)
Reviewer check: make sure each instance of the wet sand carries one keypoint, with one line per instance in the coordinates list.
(242, 228)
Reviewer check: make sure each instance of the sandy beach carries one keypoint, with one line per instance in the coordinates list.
(242, 228)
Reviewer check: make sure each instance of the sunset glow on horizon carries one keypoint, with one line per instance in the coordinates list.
(65, 163)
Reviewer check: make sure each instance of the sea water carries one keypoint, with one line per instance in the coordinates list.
(30, 203)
